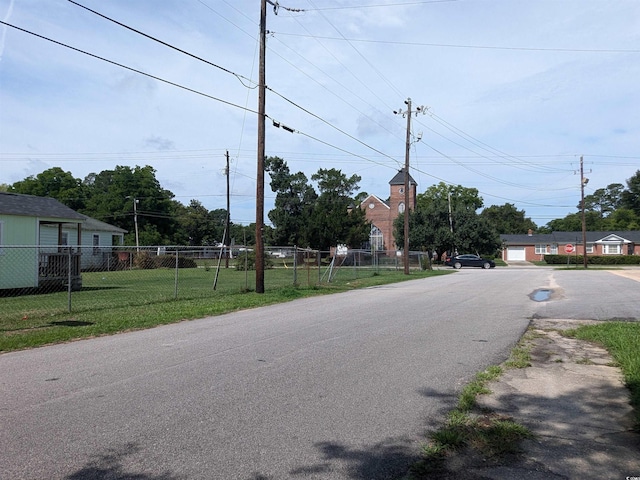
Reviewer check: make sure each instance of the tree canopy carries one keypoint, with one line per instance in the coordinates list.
(445, 219)
(318, 219)
(54, 183)
(110, 196)
(507, 219)
(611, 208)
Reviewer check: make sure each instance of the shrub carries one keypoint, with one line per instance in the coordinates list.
(147, 261)
(247, 259)
(593, 259)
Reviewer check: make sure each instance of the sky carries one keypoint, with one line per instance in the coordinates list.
(514, 93)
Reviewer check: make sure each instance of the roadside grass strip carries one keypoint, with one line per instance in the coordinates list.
(485, 433)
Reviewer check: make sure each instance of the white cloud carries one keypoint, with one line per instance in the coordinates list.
(518, 115)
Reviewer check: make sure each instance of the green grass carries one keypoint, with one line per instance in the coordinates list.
(492, 435)
(112, 302)
(488, 434)
(622, 341)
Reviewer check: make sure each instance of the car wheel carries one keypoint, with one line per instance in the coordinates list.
(457, 265)
(486, 265)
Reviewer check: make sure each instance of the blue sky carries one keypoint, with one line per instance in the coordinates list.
(516, 92)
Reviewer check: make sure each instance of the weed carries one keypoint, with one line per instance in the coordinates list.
(520, 358)
(585, 361)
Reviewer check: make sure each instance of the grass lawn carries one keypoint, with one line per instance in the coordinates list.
(112, 302)
(622, 341)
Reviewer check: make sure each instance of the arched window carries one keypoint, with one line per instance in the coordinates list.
(375, 238)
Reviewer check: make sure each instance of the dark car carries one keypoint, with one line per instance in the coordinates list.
(469, 260)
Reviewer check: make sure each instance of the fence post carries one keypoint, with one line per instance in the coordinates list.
(175, 296)
(319, 267)
(69, 279)
(295, 264)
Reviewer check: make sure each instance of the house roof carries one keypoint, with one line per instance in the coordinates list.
(32, 206)
(399, 178)
(91, 224)
(374, 197)
(569, 237)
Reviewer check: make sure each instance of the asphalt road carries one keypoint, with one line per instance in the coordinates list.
(332, 387)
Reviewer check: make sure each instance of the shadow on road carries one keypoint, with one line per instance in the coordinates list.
(108, 466)
(383, 461)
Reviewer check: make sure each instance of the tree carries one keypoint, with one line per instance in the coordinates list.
(573, 223)
(112, 194)
(631, 196)
(335, 219)
(604, 201)
(623, 219)
(200, 226)
(295, 200)
(506, 219)
(54, 183)
(457, 196)
(445, 219)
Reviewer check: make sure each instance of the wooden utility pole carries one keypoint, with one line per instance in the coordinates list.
(227, 234)
(259, 248)
(583, 182)
(406, 189)
(407, 198)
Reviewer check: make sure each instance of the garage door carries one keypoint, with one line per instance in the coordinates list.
(516, 254)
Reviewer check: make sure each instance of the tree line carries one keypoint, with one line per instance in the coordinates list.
(318, 212)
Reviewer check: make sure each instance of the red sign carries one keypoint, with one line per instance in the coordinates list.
(568, 248)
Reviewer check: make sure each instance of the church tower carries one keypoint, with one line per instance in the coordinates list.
(382, 213)
(396, 194)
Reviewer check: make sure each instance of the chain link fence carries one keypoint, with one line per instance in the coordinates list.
(51, 280)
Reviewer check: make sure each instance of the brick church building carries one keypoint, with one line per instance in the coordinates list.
(382, 213)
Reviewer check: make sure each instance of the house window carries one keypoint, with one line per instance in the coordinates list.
(608, 249)
(554, 249)
(589, 247)
(401, 207)
(65, 238)
(541, 248)
(376, 239)
(96, 244)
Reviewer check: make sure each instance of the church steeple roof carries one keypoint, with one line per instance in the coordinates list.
(399, 178)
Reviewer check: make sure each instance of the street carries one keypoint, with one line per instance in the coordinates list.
(338, 386)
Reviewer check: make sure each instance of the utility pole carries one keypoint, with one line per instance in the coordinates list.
(135, 220)
(583, 182)
(261, 149)
(227, 237)
(406, 189)
(408, 113)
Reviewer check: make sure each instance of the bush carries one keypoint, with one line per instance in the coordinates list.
(146, 261)
(169, 261)
(593, 259)
(247, 259)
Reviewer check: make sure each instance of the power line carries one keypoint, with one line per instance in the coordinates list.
(224, 69)
(380, 5)
(238, 76)
(128, 68)
(480, 47)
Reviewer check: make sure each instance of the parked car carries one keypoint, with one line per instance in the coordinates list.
(469, 260)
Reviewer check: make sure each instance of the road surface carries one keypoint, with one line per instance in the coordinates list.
(332, 387)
